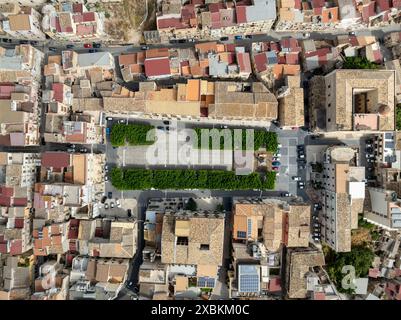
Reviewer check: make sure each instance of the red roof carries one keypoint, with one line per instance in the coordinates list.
(19, 223)
(77, 7)
(3, 248)
(20, 202)
(7, 191)
(260, 61)
(157, 67)
(275, 284)
(244, 62)
(6, 90)
(58, 90)
(241, 14)
(78, 18)
(16, 247)
(88, 16)
(56, 159)
(171, 23)
(317, 3)
(319, 296)
(383, 5)
(5, 201)
(292, 58)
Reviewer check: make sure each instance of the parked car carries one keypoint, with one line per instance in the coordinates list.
(301, 156)
(70, 150)
(166, 122)
(106, 206)
(315, 218)
(109, 118)
(106, 168)
(301, 167)
(369, 149)
(300, 147)
(279, 146)
(144, 47)
(296, 178)
(275, 158)
(87, 45)
(106, 178)
(112, 205)
(249, 36)
(306, 35)
(53, 49)
(7, 40)
(122, 121)
(368, 145)
(23, 42)
(83, 150)
(69, 46)
(285, 194)
(224, 39)
(108, 131)
(191, 40)
(129, 213)
(370, 160)
(118, 203)
(369, 141)
(33, 43)
(276, 163)
(276, 169)
(104, 198)
(301, 186)
(277, 154)
(96, 45)
(110, 194)
(92, 50)
(238, 37)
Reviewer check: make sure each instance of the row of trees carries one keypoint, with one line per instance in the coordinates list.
(142, 179)
(133, 134)
(261, 138)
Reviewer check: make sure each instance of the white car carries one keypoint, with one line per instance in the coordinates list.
(111, 204)
(118, 204)
(279, 146)
(297, 178)
(277, 155)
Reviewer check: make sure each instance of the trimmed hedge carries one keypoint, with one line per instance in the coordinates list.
(261, 139)
(133, 134)
(180, 179)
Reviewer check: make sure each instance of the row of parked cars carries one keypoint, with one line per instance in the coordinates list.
(315, 228)
(276, 160)
(301, 162)
(370, 156)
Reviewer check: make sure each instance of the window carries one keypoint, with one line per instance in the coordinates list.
(204, 247)
(182, 241)
(249, 231)
(241, 234)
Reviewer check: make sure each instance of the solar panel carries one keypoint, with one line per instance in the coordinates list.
(249, 228)
(206, 282)
(249, 279)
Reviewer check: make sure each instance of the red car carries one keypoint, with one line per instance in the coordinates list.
(88, 45)
(276, 169)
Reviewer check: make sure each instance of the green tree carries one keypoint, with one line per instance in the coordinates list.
(191, 205)
(398, 116)
(358, 63)
(359, 257)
